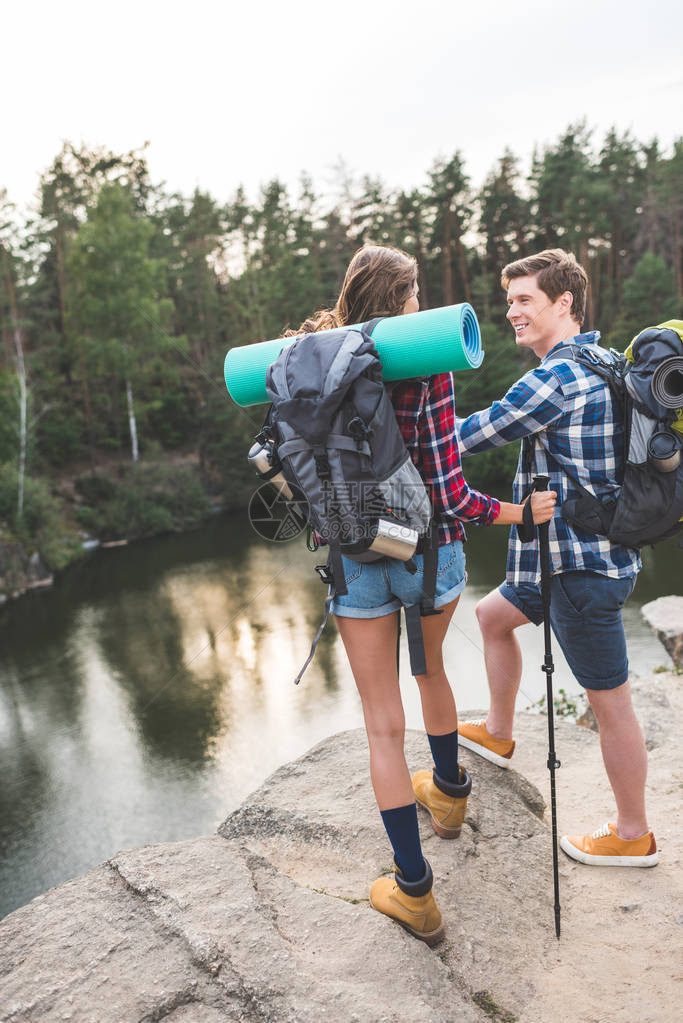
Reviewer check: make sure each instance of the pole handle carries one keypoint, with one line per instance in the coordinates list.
(526, 531)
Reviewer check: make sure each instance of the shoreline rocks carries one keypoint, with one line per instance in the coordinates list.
(665, 617)
(269, 920)
(20, 572)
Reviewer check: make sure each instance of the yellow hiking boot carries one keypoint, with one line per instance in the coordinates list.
(411, 903)
(606, 848)
(474, 735)
(445, 801)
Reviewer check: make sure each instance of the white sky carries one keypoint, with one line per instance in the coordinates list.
(239, 92)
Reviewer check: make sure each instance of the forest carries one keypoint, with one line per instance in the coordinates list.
(119, 300)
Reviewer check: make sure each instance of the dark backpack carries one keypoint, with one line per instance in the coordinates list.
(647, 388)
(332, 438)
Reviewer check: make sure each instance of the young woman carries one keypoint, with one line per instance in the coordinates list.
(382, 281)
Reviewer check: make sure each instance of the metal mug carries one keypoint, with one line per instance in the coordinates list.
(664, 450)
(394, 540)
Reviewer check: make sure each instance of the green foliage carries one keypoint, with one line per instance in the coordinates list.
(9, 416)
(504, 217)
(565, 706)
(41, 527)
(94, 488)
(227, 435)
(676, 669)
(490, 1008)
(145, 501)
(649, 298)
(117, 314)
(60, 437)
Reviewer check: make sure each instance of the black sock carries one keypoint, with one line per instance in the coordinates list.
(445, 752)
(402, 829)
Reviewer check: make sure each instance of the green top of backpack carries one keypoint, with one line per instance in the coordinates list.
(671, 325)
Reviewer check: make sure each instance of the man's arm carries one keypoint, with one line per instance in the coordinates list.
(528, 407)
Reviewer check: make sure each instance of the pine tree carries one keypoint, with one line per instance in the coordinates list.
(449, 195)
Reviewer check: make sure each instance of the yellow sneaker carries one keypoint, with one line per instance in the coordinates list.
(605, 848)
(445, 801)
(411, 903)
(473, 735)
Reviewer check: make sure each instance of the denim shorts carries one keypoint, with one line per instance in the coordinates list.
(381, 587)
(585, 616)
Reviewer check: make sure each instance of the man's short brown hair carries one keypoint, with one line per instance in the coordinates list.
(556, 271)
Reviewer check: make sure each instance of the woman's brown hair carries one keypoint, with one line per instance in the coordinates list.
(378, 282)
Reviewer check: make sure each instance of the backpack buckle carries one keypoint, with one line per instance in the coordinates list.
(357, 430)
(325, 574)
(592, 356)
(322, 465)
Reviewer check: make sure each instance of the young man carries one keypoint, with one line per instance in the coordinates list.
(563, 414)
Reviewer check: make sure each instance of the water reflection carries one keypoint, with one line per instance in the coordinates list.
(150, 690)
(140, 639)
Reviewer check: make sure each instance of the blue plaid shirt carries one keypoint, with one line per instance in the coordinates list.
(567, 411)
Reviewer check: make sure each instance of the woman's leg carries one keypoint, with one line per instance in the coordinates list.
(444, 791)
(438, 705)
(371, 648)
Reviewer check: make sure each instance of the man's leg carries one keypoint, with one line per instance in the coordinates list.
(628, 843)
(500, 613)
(624, 755)
(498, 619)
(586, 618)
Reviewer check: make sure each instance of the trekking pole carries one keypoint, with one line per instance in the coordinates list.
(398, 646)
(541, 483)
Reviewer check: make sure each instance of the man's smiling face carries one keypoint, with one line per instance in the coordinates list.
(538, 322)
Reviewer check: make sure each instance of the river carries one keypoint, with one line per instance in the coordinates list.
(150, 690)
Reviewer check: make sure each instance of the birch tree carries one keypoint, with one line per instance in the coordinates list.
(117, 310)
(14, 330)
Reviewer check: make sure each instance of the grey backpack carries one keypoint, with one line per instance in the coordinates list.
(332, 434)
(647, 390)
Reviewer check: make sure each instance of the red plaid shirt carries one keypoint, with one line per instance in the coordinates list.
(425, 412)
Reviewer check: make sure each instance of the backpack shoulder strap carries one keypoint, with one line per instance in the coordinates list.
(609, 365)
(368, 327)
(276, 375)
(350, 344)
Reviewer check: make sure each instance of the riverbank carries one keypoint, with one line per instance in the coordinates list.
(108, 504)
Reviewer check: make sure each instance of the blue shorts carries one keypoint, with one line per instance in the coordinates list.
(381, 587)
(585, 615)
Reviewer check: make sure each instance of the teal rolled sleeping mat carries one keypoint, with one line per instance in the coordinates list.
(415, 345)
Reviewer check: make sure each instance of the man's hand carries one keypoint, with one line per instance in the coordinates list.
(542, 505)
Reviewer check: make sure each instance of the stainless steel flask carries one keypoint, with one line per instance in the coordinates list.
(394, 540)
(261, 460)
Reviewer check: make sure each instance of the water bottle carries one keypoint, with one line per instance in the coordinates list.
(261, 460)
